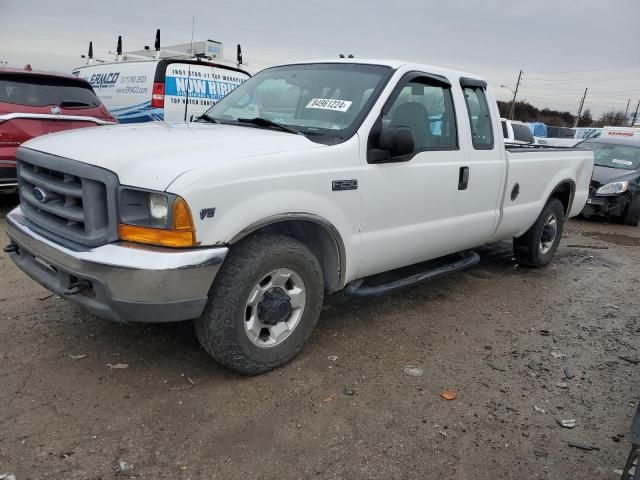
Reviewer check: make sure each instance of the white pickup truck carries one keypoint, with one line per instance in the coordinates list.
(307, 179)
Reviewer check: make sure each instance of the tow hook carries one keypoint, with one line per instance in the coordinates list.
(11, 248)
(77, 287)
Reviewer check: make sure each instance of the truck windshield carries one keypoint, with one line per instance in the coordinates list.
(313, 99)
(626, 157)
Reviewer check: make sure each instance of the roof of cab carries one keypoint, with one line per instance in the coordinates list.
(396, 64)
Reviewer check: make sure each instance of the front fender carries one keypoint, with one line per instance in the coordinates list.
(251, 191)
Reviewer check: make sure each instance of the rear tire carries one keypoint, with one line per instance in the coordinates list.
(538, 245)
(632, 212)
(263, 305)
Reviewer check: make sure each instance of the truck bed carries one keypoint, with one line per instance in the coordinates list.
(533, 173)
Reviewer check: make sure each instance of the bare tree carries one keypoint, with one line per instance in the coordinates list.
(586, 120)
(611, 118)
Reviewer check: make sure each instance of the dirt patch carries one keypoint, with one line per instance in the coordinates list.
(615, 238)
(524, 350)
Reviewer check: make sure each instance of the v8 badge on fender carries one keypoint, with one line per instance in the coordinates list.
(207, 213)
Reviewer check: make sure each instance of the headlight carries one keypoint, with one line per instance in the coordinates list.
(155, 218)
(612, 188)
(158, 207)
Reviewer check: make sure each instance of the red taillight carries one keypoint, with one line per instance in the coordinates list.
(157, 95)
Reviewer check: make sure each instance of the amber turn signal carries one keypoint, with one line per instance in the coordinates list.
(156, 236)
(182, 216)
(181, 234)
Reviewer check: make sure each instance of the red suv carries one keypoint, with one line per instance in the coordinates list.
(37, 103)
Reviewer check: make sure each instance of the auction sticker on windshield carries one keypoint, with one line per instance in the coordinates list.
(622, 162)
(329, 104)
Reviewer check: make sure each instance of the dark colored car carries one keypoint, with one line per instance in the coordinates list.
(37, 103)
(615, 184)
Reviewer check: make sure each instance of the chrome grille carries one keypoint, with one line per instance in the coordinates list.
(70, 199)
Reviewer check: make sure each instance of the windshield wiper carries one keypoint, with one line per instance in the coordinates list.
(265, 122)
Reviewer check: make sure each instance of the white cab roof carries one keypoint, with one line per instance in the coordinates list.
(397, 64)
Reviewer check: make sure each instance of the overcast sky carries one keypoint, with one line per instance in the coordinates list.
(562, 46)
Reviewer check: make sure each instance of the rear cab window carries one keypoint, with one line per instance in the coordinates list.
(40, 91)
(478, 112)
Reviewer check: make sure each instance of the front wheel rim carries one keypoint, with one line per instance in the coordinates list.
(549, 234)
(274, 307)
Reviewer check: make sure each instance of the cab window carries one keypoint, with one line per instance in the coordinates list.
(428, 110)
(479, 118)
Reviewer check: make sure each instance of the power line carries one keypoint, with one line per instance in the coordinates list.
(576, 94)
(584, 79)
(596, 69)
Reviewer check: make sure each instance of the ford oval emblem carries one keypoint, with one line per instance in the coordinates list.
(40, 194)
(56, 110)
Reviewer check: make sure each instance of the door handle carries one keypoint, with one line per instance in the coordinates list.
(463, 178)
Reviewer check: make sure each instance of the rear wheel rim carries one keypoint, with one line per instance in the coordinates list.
(274, 307)
(549, 234)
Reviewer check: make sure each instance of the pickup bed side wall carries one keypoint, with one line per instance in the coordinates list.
(257, 189)
(538, 174)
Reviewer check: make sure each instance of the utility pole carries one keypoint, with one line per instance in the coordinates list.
(575, 123)
(515, 93)
(635, 114)
(626, 110)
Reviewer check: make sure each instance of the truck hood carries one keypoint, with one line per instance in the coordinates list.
(604, 175)
(152, 155)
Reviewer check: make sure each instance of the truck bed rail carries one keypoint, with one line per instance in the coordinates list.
(524, 147)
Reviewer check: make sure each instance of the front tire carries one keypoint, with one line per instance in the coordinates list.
(263, 305)
(538, 245)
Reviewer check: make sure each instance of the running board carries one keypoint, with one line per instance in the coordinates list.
(378, 284)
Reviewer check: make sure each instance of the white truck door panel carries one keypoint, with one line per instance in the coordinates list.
(417, 210)
(408, 214)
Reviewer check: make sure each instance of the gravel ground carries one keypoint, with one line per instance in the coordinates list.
(499, 335)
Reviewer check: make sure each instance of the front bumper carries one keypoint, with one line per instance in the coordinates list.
(609, 206)
(124, 282)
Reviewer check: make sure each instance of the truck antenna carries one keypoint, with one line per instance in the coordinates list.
(90, 54)
(157, 44)
(239, 56)
(119, 49)
(193, 25)
(186, 103)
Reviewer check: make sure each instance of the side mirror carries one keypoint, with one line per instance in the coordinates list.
(398, 141)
